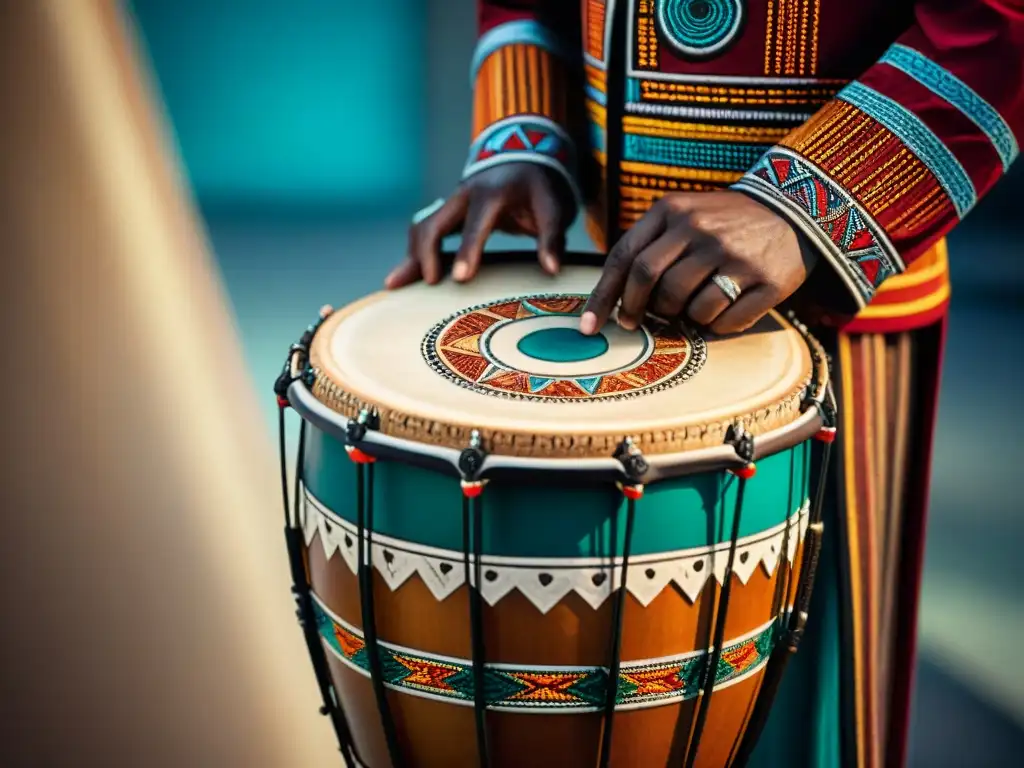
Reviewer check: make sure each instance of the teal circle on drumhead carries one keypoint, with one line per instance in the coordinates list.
(562, 345)
(700, 27)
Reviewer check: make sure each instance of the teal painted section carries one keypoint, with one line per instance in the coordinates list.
(301, 105)
(803, 728)
(532, 518)
(562, 345)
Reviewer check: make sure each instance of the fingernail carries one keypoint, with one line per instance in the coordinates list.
(549, 262)
(460, 270)
(588, 323)
(626, 323)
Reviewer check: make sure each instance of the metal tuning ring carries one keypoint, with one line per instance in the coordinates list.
(471, 460)
(742, 442)
(634, 465)
(357, 428)
(296, 364)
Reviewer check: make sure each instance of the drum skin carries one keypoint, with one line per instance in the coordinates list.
(548, 605)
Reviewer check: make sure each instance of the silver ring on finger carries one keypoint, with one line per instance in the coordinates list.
(728, 286)
(428, 210)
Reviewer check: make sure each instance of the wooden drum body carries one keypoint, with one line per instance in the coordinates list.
(455, 460)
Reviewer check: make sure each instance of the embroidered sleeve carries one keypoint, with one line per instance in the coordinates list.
(522, 84)
(903, 153)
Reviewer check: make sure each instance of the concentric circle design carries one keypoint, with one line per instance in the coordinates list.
(530, 348)
(700, 28)
(562, 345)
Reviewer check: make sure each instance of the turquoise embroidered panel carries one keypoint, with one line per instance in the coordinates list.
(959, 94)
(712, 155)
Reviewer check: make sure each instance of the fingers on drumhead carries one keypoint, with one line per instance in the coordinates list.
(480, 221)
(550, 234)
(426, 234)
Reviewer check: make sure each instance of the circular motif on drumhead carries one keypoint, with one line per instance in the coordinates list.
(530, 348)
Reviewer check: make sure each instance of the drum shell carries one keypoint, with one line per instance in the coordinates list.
(568, 531)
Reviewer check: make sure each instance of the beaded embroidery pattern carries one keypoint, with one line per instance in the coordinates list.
(460, 349)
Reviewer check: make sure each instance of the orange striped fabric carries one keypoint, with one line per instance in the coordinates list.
(809, 97)
(873, 164)
(875, 379)
(519, 79)
(593, 28)
(791, 37)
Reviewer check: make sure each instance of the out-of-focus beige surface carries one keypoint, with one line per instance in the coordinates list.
(144, 589)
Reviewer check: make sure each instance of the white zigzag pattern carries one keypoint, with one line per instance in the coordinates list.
(546, 581)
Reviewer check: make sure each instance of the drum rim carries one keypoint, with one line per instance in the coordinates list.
(665, 466)
(444, 455)
(595, 443)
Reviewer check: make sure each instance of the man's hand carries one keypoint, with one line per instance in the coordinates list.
(518, 198)
(665, 263)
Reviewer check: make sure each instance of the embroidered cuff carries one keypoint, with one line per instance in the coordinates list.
(853, 243)
(525, 139)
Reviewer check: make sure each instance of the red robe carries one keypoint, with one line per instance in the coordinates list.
(873, 127)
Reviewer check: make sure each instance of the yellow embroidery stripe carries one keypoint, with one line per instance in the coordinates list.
(671, 129)
(824, 89)
(907, 309)
(687, 174)
(939, 258)
(853, 531)
(791, 37)
(647, 195)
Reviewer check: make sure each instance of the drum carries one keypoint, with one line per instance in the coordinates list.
(515, 545)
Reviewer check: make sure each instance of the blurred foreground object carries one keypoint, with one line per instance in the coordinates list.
(146, 614)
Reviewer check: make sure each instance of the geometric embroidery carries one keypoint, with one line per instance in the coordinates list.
(699, 28)
(547, 581)
(481, 349)
(519, 688)
(959, 94)
(919, 139)
(836, 220)
(523, 138)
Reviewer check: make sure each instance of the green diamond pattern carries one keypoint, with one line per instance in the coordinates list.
(503, 691)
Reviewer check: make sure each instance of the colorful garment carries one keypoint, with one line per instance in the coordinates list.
(874, 128)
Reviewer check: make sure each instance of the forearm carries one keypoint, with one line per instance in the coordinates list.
(904, 152)
(523, 75)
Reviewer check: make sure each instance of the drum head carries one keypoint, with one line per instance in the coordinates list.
(502, 355)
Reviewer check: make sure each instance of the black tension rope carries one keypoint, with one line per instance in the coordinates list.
(744, 446)
(789, 641)
(471, 461)
(295, 364)
(364, 464)
(634, 467)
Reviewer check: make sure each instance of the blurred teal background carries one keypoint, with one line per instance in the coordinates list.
(311, 130)
(300, 106)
